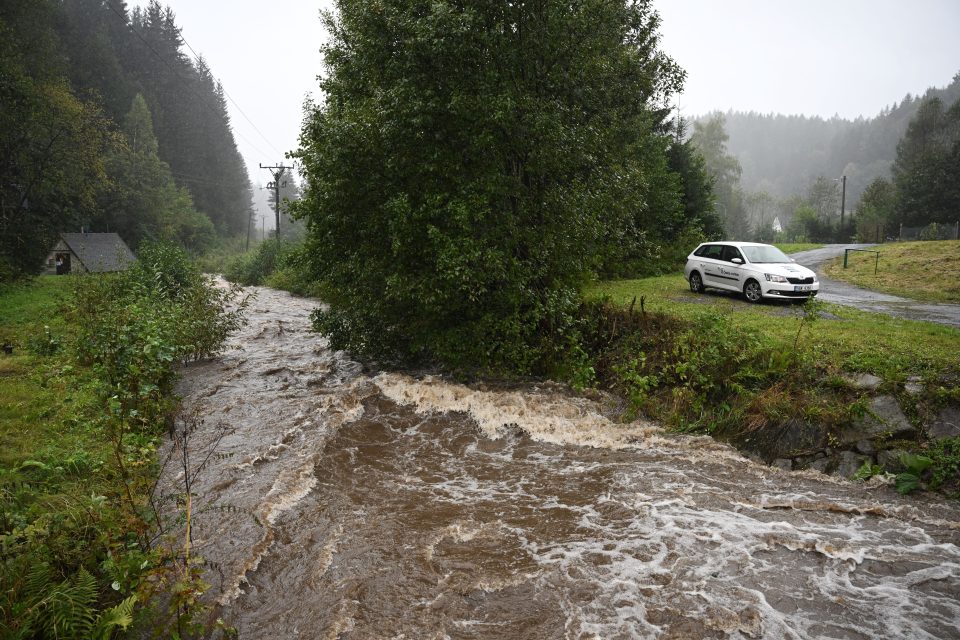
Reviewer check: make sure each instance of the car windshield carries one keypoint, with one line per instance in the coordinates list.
(765, 254)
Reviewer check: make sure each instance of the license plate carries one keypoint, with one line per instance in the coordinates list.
(802, 288)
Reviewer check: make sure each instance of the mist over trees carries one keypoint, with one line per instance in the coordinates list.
(710, 139)
(474, 163)
(784, 154)
(926, 173)
(771, 169)
(107, 124)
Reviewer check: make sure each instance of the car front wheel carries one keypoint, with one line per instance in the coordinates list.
(696, 282)
(752, 291)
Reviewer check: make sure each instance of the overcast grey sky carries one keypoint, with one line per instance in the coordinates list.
(815, 57)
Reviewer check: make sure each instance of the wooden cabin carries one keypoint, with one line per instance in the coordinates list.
(89, 253)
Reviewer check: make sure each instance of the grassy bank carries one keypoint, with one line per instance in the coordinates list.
(754, 374)
(86, 397)
(847, 339)
(58, 490)
(918, 270)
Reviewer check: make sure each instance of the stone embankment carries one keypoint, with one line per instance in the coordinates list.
(880, 435)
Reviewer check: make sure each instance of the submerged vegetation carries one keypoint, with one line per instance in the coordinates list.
(87, 395)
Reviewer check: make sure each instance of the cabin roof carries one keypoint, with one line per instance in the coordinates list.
(100, 252)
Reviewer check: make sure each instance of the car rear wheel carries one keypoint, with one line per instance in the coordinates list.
(696, 282)
(752, 291)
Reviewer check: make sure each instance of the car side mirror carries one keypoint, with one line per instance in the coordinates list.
(736, 260)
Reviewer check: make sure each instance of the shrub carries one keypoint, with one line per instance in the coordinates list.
(705, 373)
(255, 267)
(129, 332)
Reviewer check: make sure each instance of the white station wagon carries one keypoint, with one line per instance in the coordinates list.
(756, 270)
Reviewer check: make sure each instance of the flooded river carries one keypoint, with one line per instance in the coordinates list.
(341, 504)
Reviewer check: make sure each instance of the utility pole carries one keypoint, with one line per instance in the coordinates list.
(277, 172)
(843, 202)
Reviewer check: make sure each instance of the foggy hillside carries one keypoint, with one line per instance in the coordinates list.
(782, 155)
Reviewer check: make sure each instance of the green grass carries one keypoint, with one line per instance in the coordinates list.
(919, 270)
(26, 307)
(796, 247)
(60, 490)
(848, 338)
(47, 408)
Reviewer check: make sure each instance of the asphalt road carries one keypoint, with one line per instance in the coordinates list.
(850, 295)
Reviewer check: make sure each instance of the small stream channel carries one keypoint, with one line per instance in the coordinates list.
(345, 505)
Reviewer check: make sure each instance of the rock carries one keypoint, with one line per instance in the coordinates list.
(889, 459)
(883, 418)
(820, 464)
(848, 463)
(786, 440)
(946, 424)
(865, 447)
(913, 388)
(864, 381)
(782, 463)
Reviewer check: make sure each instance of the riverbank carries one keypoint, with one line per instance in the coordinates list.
(86, 397)
(60, 492)
(820, 386)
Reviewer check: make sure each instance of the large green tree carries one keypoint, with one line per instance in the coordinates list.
(470, 165)
(927, 169)
(190, 118)
(52, 144)
(699, 207)
(710, 139)
(875, 211)
(824, 196)
(142, 200)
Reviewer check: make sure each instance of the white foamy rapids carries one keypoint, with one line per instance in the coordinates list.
(727, 570)
(546, 417)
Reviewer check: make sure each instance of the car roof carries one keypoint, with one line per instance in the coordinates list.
(735, 243)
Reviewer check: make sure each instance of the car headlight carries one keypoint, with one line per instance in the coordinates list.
(772, 277)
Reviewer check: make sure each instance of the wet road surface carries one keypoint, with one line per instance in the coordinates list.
(853, 296)
(346, 504)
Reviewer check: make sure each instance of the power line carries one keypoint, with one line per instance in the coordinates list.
(177, 75)
(230, 98)
(212, 183)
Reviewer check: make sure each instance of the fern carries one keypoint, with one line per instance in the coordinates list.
(69, 613)
(58, 610)
(118, 617)
(37, 583)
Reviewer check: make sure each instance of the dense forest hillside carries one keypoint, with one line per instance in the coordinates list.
(783, 155)
(108, 124)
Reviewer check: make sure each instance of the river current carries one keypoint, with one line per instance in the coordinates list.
(339, 503)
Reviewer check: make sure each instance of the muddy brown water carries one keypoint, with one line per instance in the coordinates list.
(344, 505)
